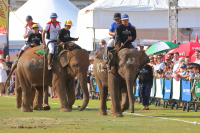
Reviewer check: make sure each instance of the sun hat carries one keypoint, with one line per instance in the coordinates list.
(125, 16)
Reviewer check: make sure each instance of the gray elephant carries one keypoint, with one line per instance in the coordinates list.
(121, 82)
(67, 65)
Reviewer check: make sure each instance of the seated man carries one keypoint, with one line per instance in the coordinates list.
(125, 34)
(34, 38)
(64, 34)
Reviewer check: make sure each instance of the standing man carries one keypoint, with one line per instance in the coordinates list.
(197, 55)
(28, 31)
(176, 62)
(9, 65)
(52, 29)
(146, 83)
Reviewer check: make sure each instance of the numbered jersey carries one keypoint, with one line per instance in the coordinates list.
(29, 30)
(52, 30)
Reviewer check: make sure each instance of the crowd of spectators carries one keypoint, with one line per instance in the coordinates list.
(174, 66)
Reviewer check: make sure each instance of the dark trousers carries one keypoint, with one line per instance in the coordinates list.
(145, 91)
(78, 94)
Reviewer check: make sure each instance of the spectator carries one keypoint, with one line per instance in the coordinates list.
(167, 71)
(146, 82)
(197, 55)
(90, 75)
(187, 60)
(3, 74)
(176, 62)
(8, 63)
(151, 61)
(160, 65)
(183, 72)
(104, 44)
(78, 94)
(141, 47)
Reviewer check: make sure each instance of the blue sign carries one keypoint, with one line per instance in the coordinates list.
(167, 89)
(186, 94)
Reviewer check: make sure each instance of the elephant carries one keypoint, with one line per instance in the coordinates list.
(121, 82)
(67, 65)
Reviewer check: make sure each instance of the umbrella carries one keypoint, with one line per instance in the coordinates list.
(161, 47)
(186, 49)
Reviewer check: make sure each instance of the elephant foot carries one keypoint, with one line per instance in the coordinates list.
(46, 107)
(103, 113)
(116, 115)
(124, 109)
(27, 109)
(37, 107)
(65, 110)
(18, 106)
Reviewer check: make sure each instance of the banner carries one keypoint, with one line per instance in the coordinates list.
(167, 89)
(159, 88)
(186, 94)
(4, 16)
(176, 89)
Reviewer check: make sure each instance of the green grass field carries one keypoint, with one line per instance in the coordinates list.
(13, 120)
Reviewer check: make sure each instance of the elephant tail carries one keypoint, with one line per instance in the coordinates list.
(11, 71)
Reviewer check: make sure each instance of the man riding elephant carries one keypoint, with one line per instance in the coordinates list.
(64, 37)
(28, 30)
(52, 29)
(125, 35)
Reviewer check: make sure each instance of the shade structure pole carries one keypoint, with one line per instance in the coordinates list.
(173, 20)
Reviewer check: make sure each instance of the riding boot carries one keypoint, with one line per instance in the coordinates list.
(20, 54)
(50, 61)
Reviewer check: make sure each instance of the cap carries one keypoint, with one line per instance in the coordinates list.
(160, 71)
(184, 66)
(91, 58)
(125, 16)
(53, 15)
(117, 15)
(29, 18)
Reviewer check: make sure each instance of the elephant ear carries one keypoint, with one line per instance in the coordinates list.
(143, 59)
(62, 57)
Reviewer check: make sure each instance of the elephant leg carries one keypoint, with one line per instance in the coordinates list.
(26, 102)
(60, 88)
(113, 85)
(70, 92)
(38, 99)
(103, 98)
(124, 98)
(32, 98)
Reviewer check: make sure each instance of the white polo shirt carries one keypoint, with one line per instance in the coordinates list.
(52, 30)
(160, 66)
(29, 30)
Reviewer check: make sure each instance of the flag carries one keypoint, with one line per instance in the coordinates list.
(4, 16)
(197, 38)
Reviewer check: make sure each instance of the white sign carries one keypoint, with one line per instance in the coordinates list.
(176, 89)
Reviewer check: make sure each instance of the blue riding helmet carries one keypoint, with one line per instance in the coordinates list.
(125, 16)
(53, 15)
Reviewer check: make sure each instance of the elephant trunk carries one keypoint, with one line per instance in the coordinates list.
(130, 83)
(83, 83)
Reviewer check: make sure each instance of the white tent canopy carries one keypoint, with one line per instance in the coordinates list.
(149, 16)
(40, 10)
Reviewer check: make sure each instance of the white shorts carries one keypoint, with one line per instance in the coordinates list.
(50, 46)
(25, 47)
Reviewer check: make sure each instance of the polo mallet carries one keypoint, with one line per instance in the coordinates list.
(122, 46)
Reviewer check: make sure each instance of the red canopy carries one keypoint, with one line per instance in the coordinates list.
(186, 49)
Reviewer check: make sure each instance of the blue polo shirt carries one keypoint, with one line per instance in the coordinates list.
(114, 25)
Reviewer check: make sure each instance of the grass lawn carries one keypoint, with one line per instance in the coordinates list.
(13, 120)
